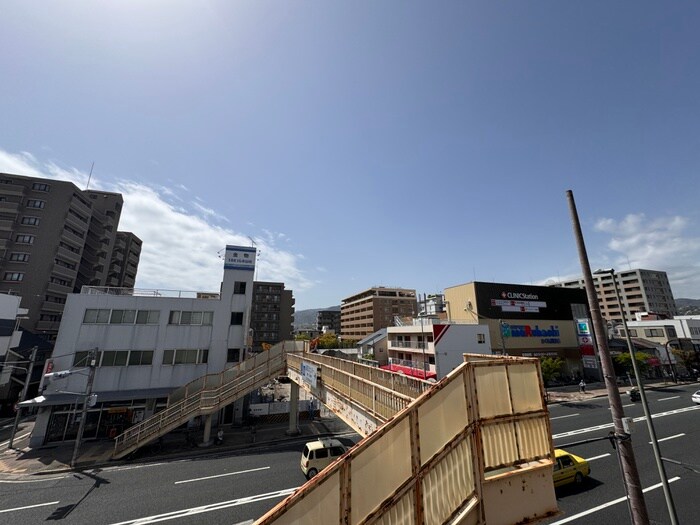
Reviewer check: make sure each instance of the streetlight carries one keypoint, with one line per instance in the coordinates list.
(645, 405)
(88, 400)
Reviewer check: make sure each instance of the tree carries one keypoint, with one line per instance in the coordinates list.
(551, 368)
(328, 340)
(689, 358)
(302, 337)
(625, 360)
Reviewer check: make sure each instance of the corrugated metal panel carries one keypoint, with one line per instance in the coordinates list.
(493, 396)
(525, 388)
(381, 468)
(499, 444)
(440, 418)
(398, 514)
(533, 438)
(449, 484)
(318, 506)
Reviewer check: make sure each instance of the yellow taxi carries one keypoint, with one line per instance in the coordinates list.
(569, 468)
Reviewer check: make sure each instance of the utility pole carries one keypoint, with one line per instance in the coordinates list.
(23, 396)
(628, 464)
(91, 358)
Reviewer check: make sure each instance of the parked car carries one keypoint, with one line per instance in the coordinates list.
(696, 397)
(318, 454)
(569, 468)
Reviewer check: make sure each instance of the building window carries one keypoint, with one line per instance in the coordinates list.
(24, 239)
(140, 357)
(35, 203)
(185, 357)
(58, 280)
(233, 355)
(671, 331)
(148, 317)
(115, 358)
(239, 287)
(653, 332)
(19, 257)
(237, 318)
(31, 221)
(38, 186)
(13, 276)
(123, 317)
(96, 316)
(481, 338)
(191, 318)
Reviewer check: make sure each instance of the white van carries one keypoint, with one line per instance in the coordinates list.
(318, 454)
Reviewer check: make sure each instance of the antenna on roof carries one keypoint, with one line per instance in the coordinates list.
(87, 186)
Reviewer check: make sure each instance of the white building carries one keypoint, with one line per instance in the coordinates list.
(434, 346)
(148, 344)
(10, 336)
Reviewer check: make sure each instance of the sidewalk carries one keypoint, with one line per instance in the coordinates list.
(50, 459)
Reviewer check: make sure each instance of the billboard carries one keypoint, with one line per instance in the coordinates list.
(513, 301)
(239, 258)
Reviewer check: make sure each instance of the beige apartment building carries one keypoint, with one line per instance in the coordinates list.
(366, 312)
(640, 291)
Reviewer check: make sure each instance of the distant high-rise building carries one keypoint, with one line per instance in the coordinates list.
(272, 314)
(640, 291)
(54, 239)
(330, 319)
(366, 312)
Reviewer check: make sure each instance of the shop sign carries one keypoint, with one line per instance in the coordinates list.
(548, 335)
(309, 373)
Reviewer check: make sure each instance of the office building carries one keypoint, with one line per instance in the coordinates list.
(640, 291)
(54, 239)
(147, 346)
(366, 312)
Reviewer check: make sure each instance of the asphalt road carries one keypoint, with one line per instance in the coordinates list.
(601, 498)
(235, 488)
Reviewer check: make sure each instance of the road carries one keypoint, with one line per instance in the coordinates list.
(236, 488)
(601, 498)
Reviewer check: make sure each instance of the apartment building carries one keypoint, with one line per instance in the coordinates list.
(272, 315)
(366, 312)
(54, 239)
(125, 261)
(640, 291)
(147, 345)
(328, 319)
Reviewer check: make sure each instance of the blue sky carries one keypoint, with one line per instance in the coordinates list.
(407, 144)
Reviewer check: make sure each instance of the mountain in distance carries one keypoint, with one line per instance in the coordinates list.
(688, 306)
(307, 318)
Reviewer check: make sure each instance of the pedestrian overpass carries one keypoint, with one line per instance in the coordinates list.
(474, 448)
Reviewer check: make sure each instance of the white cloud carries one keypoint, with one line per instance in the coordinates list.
(656, 244)
(180, 248)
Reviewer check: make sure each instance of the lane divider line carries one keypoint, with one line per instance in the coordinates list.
(222, 475)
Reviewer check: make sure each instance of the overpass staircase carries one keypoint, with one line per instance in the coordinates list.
(203, 396)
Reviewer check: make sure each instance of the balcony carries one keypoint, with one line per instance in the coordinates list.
(9, 207)
(65, 253)
(59, 289)
(414, 345)
(52, 307)
(47, 326)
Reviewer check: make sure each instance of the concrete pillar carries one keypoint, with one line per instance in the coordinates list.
(207, 430)
(293, 410)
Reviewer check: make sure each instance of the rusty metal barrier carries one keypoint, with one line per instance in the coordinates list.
(474, 449)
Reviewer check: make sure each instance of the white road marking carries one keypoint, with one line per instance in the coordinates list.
(116, 469)
(624, 406)
(562, 417)
(31, 506)
(598, 457)
(17, 438)
(608, 504)
(667, 398)
(222, 475)
(610, 425)
(669, 437)
(38, 480)
(207, 508)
